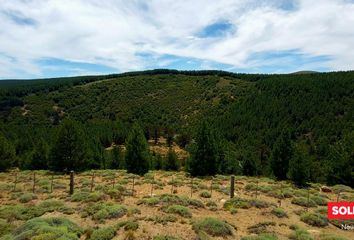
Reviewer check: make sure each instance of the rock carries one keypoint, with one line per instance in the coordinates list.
(222, 201)
(326, 189)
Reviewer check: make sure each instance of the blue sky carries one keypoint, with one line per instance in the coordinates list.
(67, 38)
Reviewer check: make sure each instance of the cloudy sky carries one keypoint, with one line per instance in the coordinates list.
(46, 38)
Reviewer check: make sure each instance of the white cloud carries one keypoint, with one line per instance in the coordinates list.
(114, 33)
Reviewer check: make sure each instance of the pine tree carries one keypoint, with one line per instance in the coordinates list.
(171, 163)
(204, 155)
(280, 156)
(70, 150)
(137, 154)
(299, 166)
(341, 162)
(116, 158)
(7, 154)
(39, 158)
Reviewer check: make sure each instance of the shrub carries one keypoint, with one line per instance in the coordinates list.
(48, 228)
(205, 194)
(237, 203)
(321, 201)
(314, 219)
(329, 236)
(300, 234)
(213, 227)
(101, 211)
(279, 212)
(105, 233)
(164, 219)
(265, 236)
(150, 201)
(261, 227)
(130, 225)
(259, 203)
(5, 227)
(26, 197)
(302, 201)
(87, 197)
(164, 237)
(177, 209)
(211, 203)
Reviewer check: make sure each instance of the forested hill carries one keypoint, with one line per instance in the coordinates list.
(257, 118)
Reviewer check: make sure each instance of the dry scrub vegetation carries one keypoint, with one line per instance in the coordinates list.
(109, 204)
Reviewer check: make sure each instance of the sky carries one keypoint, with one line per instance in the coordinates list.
(52, 38)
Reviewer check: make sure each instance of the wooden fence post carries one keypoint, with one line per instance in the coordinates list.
(133, 186)
(34, 182)
(152, 185)
(191, 186)
(232, 186)
(92, 181)
(51, 183)
(71, 182)
(172, 183)
(211, 187)
(338, 195)
(15, 182)
(308, 199)
(114, 180)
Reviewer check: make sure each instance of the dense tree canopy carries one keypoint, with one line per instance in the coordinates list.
(250, 114)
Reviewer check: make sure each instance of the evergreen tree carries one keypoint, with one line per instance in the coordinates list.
(280, 156)
(137, 154)
(341, 162)
(7, 154)
(39, 158)
(116, 158)
(70, 150)
(157, 162)
(204, 154)
(171, 163)
(299, 166)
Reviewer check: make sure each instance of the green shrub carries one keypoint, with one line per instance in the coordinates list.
(26, 197)
(341, 188)
(150, 201)
(260, 228)
(5, 227)
(131, 225)
(165, 237)
(259, 203)
(205, 194)
(330, 236)
(302, 201)
(48, 228)
(264, 236)
(178, 209)
(237, 203)
(105, 233)
(213, 227)
(211, 203)
(102, 211)
(279, 212)
(164, 219)
(321, 201)
(314, 219)
(300, 234)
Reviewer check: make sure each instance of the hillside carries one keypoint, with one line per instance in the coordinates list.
(248, 111)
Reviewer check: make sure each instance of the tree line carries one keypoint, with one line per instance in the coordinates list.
(71, 150)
